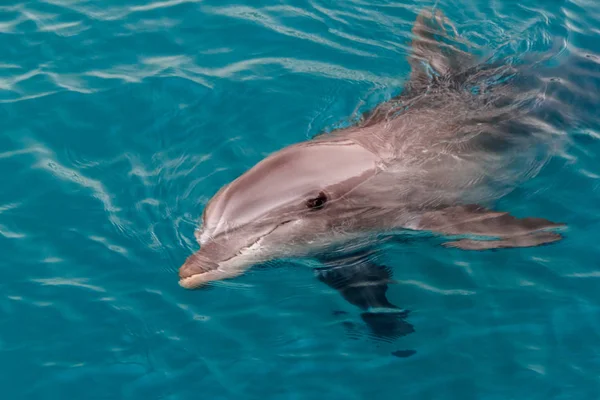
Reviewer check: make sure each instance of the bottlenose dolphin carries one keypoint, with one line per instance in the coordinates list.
(460, 135)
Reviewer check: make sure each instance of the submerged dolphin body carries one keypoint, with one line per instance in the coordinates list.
(461, 135)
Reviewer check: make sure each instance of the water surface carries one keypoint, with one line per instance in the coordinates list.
(121, 118)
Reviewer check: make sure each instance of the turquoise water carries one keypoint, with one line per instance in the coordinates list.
(120, 119)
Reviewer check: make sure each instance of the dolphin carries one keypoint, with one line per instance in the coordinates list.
(462, 134)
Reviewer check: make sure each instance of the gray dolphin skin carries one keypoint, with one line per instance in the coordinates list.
(462, 134)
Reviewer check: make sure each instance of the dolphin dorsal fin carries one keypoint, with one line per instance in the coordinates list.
(433, 50)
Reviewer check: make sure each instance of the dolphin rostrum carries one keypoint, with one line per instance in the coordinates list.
(460, 135)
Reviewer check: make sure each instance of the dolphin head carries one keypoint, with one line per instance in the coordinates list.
(298, 199)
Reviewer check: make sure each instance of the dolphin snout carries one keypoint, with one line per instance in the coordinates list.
(199, 269)
(196, 264)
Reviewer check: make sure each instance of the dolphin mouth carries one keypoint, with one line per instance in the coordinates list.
(199, 269)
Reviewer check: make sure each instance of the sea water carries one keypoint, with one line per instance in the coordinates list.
(119, 119)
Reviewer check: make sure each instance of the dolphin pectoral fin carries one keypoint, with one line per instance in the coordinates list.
(388, 326)
(510, 231)
(532, 240)
(364, 285)
(430, 52)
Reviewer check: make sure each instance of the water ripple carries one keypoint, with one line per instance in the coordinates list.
(161, 4)
(80, 283)
(262, 18)
(120, 120)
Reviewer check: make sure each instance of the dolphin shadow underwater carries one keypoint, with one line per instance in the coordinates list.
(461, 134)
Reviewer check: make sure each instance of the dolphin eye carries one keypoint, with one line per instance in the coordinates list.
(318, 202)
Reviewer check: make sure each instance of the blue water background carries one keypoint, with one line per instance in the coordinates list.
(120, 119)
